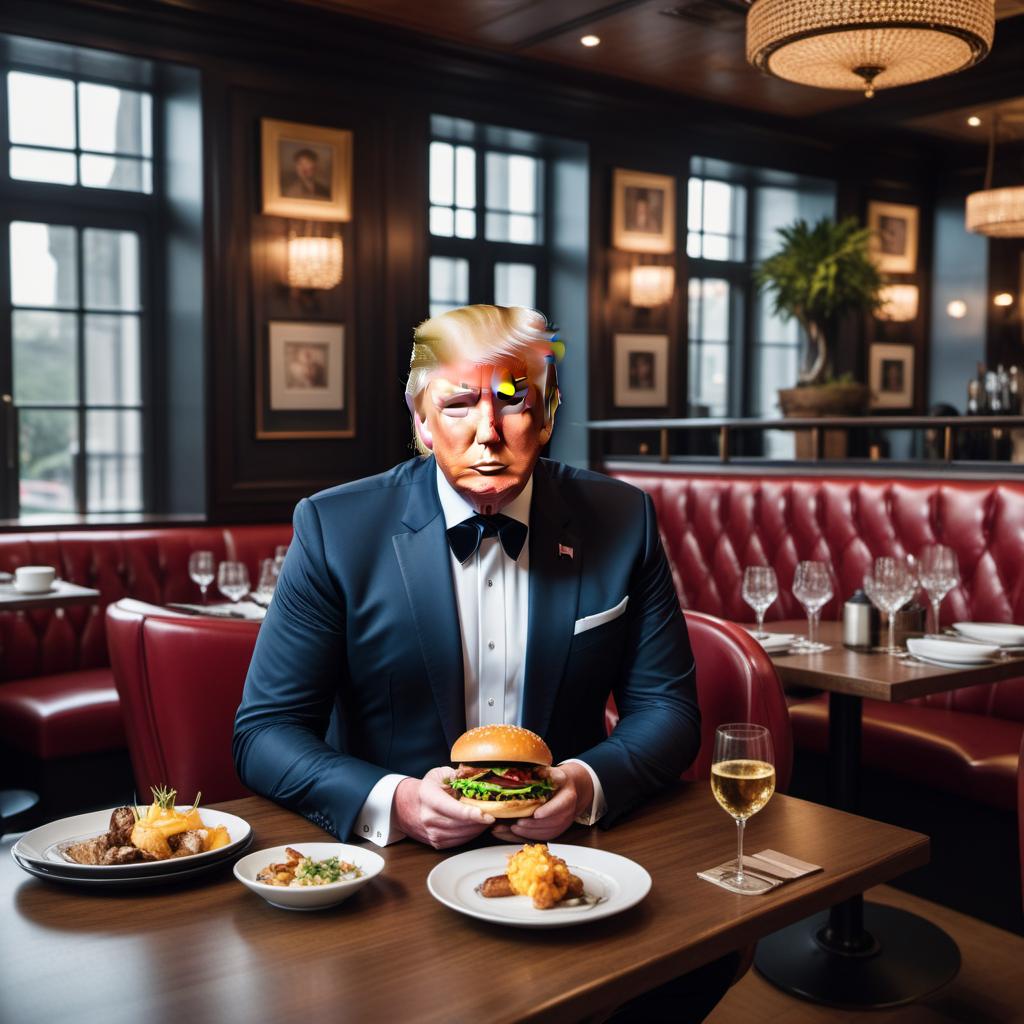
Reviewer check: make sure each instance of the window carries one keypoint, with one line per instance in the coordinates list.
(73, 335)
(486, 220)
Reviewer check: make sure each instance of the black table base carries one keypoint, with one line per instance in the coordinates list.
(856, 955)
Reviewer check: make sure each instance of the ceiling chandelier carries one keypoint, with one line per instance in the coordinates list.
(996, 212)
(868, 44)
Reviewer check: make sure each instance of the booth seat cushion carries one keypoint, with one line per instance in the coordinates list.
(971, 755)
(62, 715)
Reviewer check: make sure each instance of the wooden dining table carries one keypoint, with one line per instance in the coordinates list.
(213, 950)
(857, 955)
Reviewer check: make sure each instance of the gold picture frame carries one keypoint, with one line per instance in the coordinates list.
(643, 212)
(306, 170)
(894, 230)
(891, 376)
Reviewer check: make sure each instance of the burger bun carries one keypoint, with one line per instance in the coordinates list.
(504, 808)
(500, 744)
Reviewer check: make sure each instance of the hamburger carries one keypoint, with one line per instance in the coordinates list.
(499, 770)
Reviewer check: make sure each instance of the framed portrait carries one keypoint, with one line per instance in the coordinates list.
(893, 237)
(643, 212)
(891, 376)
(307, 171)
(304, 383)
(641, 369)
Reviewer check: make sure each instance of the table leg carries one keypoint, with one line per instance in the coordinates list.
(856, 955)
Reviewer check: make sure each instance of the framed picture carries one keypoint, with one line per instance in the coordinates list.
(891, 376)
(304, 383)
(641, 369)
(643, 212)
(307, 171)
(893, 237)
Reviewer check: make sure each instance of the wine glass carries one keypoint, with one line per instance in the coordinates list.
(279, 552)
(889, 589)
(233, 580)
(743, 780)
(812, 587)
(939, 574)
(760, 589)
(267, 582)
(201, 568)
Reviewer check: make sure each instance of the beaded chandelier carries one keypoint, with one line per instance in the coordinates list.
(868, 44)
(996, 212)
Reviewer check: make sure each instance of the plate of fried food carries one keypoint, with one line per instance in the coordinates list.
(154, 844)
(539, 886)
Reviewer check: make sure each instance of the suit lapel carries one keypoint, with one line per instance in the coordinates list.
(423, 559)
(554, 599)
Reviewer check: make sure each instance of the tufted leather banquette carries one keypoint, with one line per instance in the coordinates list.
(57, 693)
(714, 525)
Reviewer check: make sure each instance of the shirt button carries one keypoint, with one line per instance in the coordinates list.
(490, 702)
(490, 645)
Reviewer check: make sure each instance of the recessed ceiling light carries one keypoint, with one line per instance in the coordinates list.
(974, 121)
(591, 40)
(1003, 299)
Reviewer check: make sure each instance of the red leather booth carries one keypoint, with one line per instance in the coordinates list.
(57, 692)
(714, 525)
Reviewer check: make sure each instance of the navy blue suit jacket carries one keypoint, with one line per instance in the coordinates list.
(358, 672)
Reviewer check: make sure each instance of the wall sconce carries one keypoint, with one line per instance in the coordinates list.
(1003, 299)
(315, 261)
(651, 284)
(899, 303)
(957, 309)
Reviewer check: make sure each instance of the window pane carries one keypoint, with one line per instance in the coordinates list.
(716, 247)
(41, 110)
(442, 221)
(465, 223)
(511, 183)
(113, 462)
(512, 227)
(714, 325)
(45, 364)
(111, 264)
(449, 281)
(515, 284)
(694, 204)
(43, 265)
(43, 165)
(442, 174)
(465, 177)
(47, 442)
(122, 173)
(112, 353)
(708, 371)
(693, 246)
(718, 208)
(114, 120)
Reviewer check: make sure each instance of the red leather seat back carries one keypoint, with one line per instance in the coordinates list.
(714, 526)
(1020, 810)
(149, 565)
(180, 681)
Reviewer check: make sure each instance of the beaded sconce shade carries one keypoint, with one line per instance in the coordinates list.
(314, 261)
(868, 44)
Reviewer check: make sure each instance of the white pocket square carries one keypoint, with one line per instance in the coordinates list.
(592, 621)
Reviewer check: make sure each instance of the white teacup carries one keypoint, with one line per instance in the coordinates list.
(34, 579)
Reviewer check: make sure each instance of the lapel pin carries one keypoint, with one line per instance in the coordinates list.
(564, 550)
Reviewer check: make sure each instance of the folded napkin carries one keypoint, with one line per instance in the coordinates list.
(242, 610)
(768, 866)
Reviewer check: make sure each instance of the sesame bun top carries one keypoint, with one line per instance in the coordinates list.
(500, 743)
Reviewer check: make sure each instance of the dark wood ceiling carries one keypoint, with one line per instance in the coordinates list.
(694, 47)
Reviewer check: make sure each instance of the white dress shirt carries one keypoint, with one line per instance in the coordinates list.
(492, 595)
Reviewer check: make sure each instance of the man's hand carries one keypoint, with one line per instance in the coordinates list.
(574, 795)
(429, 812)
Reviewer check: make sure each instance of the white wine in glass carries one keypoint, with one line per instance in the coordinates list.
(743, 781)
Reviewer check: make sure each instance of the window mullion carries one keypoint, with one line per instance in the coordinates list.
(81, 498)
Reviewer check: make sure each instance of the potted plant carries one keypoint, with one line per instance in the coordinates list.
(820, 275)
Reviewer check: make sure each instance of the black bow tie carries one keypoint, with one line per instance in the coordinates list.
(464, 538)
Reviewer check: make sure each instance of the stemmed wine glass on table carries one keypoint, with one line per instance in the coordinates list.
(760, 589)
(889, 588)
(939, 573)
(812, 587)
(233, 580)
(201, 569)
(264, 592)
(743, 781)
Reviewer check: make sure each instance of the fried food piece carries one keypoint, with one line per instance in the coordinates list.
(122, 855)
(496, 885)
(89, 852)
(185, 844)
(151, 840)
(281, 874)
(122, 821)
(575, 890)
(536, 872)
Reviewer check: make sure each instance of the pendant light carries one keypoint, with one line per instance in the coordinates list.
(995, 212)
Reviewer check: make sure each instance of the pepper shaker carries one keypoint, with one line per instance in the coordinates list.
(861, 623)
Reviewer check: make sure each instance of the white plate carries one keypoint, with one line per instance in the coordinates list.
(43, 846)
(952, 651)
(618, 882)
(1004, 634)
(308, 897)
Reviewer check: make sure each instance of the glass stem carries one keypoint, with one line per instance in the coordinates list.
(740, 822)
(892, 631)
(935, 617)
(812, 627)
(760, 621)
(202, 593)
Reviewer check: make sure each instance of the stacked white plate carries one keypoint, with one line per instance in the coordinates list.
(774, 643)
(1002, 634)
(951, 653)
(40, 853)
